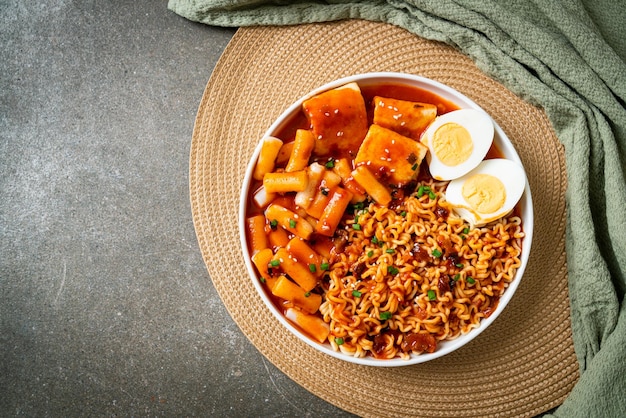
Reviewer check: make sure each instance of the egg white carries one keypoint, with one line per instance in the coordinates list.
(480, 127)
(512, 176)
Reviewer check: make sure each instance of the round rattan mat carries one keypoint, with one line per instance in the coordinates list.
(524, 364)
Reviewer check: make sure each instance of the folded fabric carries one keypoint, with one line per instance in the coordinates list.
(567, 57)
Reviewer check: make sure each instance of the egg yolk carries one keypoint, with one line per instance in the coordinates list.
(484, 192)
(452, 144)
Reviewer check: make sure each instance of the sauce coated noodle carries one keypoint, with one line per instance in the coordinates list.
(415, 275)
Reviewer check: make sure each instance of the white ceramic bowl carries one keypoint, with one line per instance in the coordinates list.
(502, 142)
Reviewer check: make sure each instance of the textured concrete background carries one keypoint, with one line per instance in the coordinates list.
(106, 306)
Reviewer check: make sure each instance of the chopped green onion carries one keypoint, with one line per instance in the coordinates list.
(436, 253)
(432, 295)
(459, 265)
(456, 277)
(390, 251)
(392, 270)
(292, 223)
(312, 268)
(471, 280)
(375, 240)
(273, 223)
(307, 294)
(414, 167)
(324, 266)
(370, 253)
(330, 163)
(262, 279)
(275, 263)
(356, 293)
(358, 206)
(466, 230)
(422, 190)
(385, 316)
(338, 340)
(356, 227)
(403, 213)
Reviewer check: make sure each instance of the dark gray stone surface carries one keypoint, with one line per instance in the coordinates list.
(106, 306)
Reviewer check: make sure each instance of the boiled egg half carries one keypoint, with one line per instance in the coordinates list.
(488, 192)
(457, 142)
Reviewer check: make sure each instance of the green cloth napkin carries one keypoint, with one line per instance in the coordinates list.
(567, 57)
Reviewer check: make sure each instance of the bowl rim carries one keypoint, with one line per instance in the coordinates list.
(504, 145)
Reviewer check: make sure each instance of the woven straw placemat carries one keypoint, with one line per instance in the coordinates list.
(524, 364)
